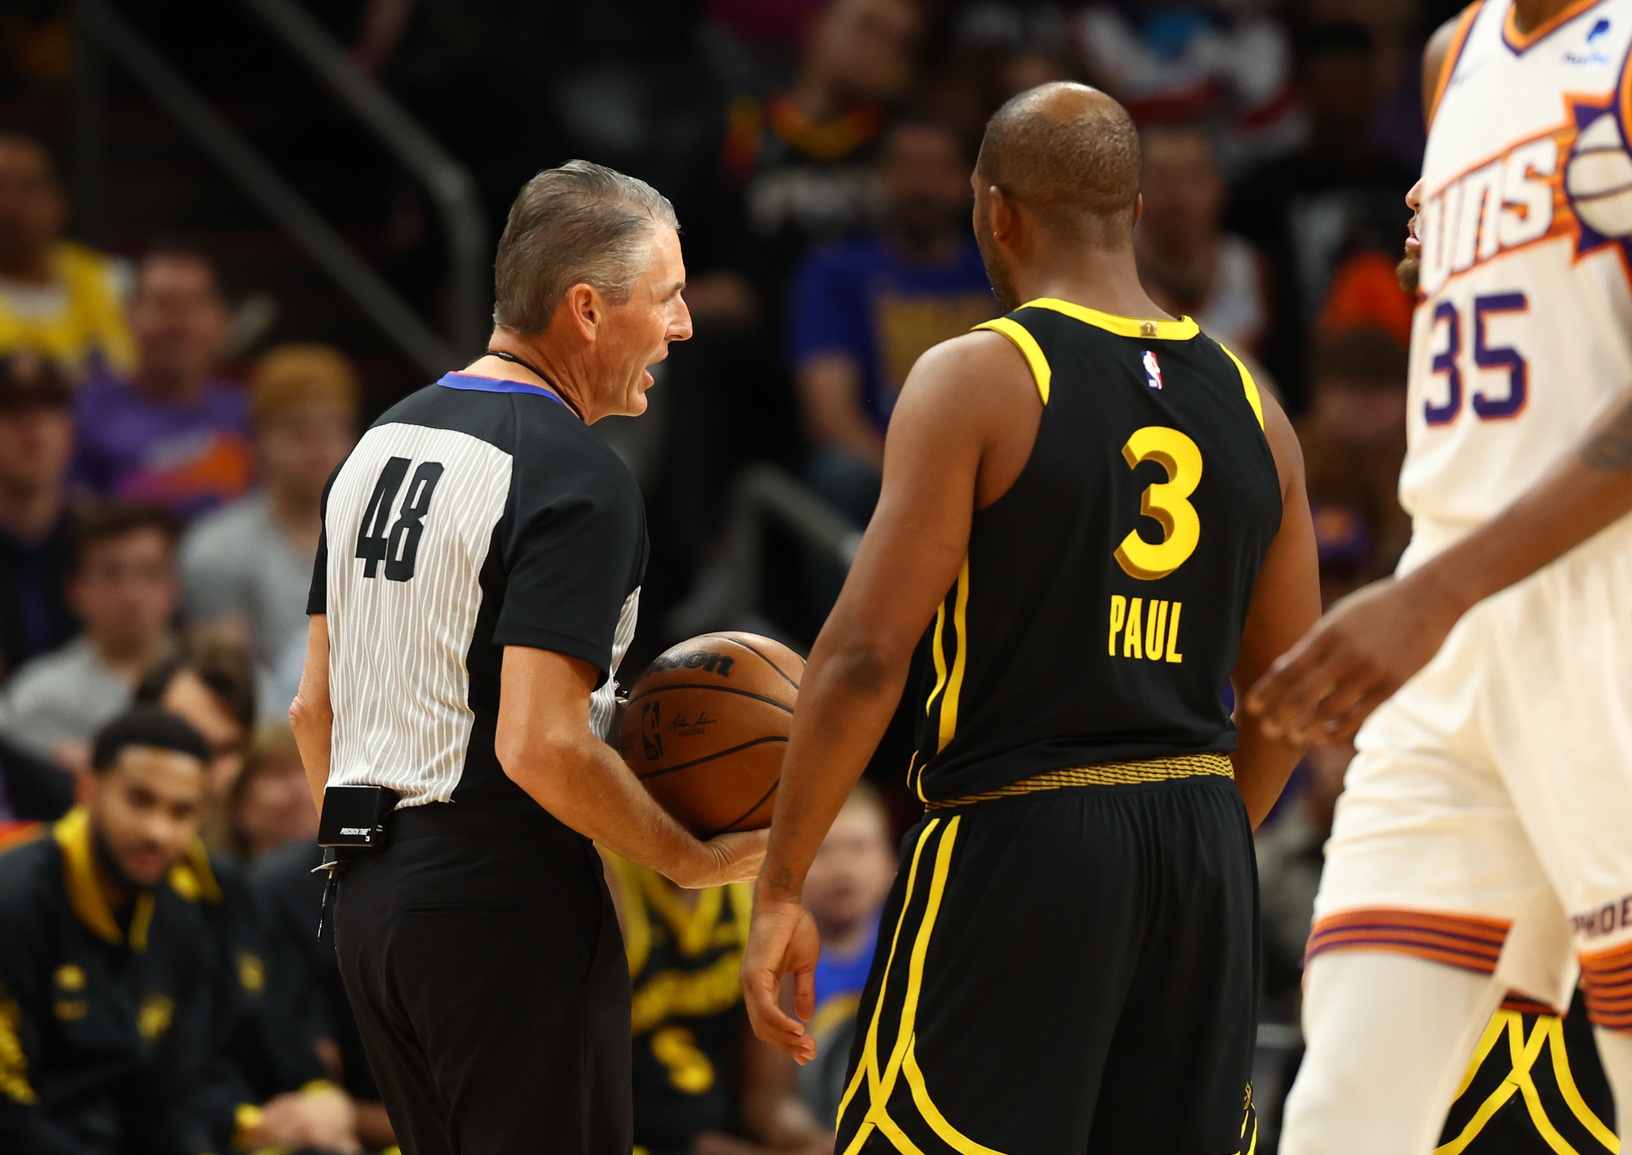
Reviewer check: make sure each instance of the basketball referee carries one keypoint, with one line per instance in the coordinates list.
(476, 585)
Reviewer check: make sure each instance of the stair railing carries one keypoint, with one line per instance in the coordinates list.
(449, 184)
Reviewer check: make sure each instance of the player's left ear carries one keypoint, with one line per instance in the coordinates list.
(1138, 208)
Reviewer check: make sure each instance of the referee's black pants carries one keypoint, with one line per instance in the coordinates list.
(482, 956)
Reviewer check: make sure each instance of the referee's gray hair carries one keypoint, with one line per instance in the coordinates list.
(579, 223)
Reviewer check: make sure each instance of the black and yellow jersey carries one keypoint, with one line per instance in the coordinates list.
(687, 1017)
(1098, 614)
(105, 1041)
(268, 1032)
(1534, 1085)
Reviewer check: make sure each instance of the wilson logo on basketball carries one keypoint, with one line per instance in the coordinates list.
(696, 660)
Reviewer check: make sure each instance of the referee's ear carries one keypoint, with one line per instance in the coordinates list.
(585, 309)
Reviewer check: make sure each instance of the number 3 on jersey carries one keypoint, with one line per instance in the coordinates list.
(1166, 502)
(397, 546)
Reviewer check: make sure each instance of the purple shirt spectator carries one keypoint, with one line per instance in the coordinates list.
(189, 456)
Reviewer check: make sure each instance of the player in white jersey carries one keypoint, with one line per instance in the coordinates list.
(1484, 842)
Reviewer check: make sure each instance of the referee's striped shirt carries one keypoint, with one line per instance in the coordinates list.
(475, 514)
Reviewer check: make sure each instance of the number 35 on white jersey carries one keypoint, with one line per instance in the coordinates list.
(1523, 332)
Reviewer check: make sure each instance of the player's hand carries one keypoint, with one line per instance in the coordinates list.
(726, 858)
(1365, 648)
(782, 940)
(321, 1118)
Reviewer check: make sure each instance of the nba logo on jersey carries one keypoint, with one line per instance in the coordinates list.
(1153, 370)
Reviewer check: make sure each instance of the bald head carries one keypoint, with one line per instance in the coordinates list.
(1070, 155)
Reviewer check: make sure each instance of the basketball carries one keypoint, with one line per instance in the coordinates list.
(706, 727)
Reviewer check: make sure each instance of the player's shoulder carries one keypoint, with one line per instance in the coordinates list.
(975, 371)
(1441, 50)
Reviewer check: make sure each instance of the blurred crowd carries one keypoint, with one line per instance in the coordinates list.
(160, 487)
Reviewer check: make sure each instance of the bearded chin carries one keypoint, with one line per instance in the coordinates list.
(1002, 287)
(1409, 272)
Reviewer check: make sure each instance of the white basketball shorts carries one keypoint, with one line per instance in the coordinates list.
(1486, 822)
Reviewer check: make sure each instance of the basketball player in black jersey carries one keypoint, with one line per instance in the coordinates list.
(1106, 521)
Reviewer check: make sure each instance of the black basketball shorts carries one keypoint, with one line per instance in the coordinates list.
(1066, 971)
(481, 954)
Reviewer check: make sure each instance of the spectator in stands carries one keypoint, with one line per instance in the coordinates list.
(36, 445)
(1183, 61)
(1367, 293)
(57, 298)
(1398, 28)
(1353, 435)
(122, 585)
(1188, 263)
(1290, 844)
(1347, 551)
(797, 165)
(863, 310)
(271, 803)
(703, 1084)
(104, 991)
(174, 432)
(31, 789)
(270, 1036)
(1291, 852)
(1338, 195)
(247, 567)
(797, 171)
(211, 684)
(844, 892)
(291, 897)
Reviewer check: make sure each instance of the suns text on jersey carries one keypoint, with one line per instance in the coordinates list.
(1528, 194)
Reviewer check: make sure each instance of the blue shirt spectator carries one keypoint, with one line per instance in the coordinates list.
(866, 301)
(863, 310)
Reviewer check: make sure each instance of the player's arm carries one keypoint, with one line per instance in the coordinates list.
(1285, 603)
(311, 714)
(547, 746)
(830, 393)
(1376, 639)
(953, 400)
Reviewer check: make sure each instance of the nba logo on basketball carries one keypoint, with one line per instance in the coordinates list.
(1153, 370)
